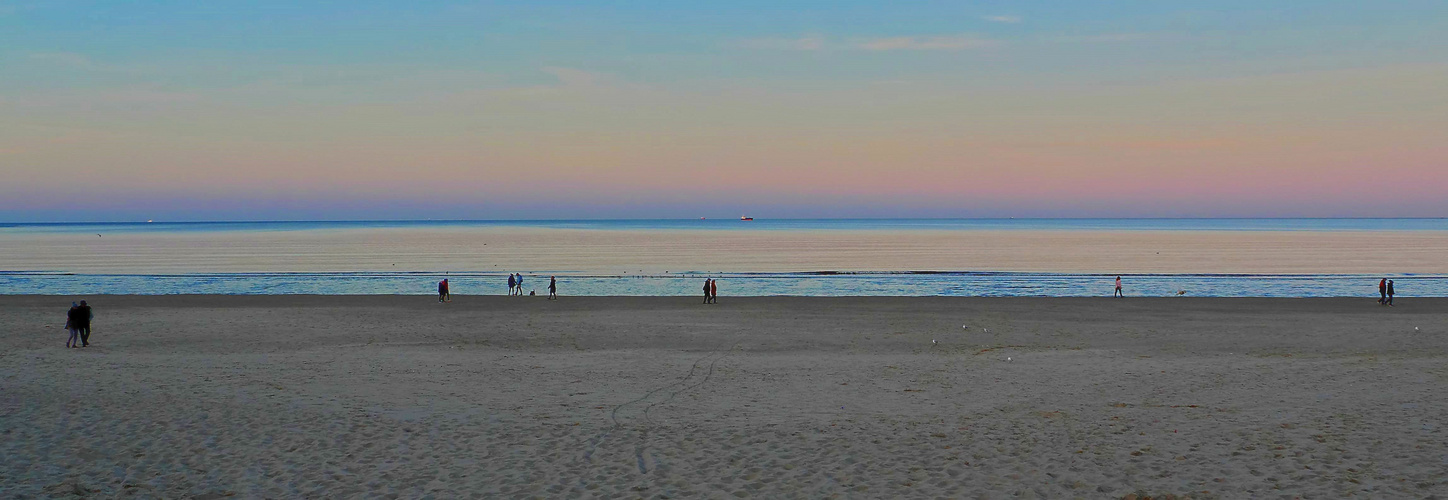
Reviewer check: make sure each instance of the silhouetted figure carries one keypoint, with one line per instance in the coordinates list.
(713, 291)
(444, 294)
(82, 322)
(706, 290)
(552, 287)
(1383, 291)
(1390, 293)
(512, 284)
(74, 340)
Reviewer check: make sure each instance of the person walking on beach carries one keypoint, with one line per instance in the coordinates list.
(511, 284)
(1383, 291)
(1390, 293)
(1118, 292)
(706, 290)
(443, 294)
(713, 291)
(82, 322)
(552, 288)
(520, 284)
(74, 340)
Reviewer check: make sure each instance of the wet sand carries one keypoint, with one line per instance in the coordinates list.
(287, 396)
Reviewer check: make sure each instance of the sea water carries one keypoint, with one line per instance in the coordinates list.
(871, 257)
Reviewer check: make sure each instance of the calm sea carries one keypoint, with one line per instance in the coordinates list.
(869, 257)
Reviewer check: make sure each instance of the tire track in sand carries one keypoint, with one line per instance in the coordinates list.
(619, 416)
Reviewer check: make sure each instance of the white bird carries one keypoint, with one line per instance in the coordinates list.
(933, 342)
(1008, 359)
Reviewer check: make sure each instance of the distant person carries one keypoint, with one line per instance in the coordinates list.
(70, 326)
(713, 291)
(706, 290)
(552, 287)
(511, 284)
(443, 293)
(1383, 291)
(1390, 293)
(520, 284)
(82, 322)
(1118, 292)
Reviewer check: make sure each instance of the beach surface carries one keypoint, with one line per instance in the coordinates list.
(487, 397)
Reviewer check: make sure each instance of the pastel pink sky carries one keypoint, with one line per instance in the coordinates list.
(964, 126)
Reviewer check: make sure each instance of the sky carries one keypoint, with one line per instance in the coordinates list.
(296, 110)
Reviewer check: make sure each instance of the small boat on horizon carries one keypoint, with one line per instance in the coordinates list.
(745, 218)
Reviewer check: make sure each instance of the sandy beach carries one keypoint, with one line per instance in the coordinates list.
(487, 397)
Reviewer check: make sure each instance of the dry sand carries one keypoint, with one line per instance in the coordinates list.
(298, 396)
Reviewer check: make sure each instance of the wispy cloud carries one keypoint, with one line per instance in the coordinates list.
(777, 43)
(1008, 19)
(71, 59)
(570, 77)
(1107, 38)
(952, 42)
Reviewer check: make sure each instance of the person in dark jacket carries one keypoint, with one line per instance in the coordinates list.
(552, 287)
(1390, 293)
(1383, 291)
(82, 322)
(74, 340)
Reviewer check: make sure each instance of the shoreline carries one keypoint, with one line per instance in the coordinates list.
(1434, 303)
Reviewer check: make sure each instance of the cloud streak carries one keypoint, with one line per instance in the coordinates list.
(71, 59)
(925, 42)
(777, 43)
(1008, 19)
(950, 42)
(570, 77)
(1112, 38)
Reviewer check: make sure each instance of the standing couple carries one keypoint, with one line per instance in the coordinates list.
(77, 321)
(1385, 292)
(711, 291)
(515, 284)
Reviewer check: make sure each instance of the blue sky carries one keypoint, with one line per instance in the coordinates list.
(475, 109)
